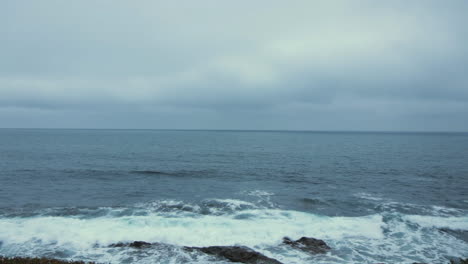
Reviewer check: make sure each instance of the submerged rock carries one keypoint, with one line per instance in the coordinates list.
(236, 254)
(134, 244)
(308, 244)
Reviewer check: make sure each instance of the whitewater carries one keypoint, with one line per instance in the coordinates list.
(373, 198)
(87, 233)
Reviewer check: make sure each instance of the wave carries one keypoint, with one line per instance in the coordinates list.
(368, 196)
(454, 223)
(85, 234)
(97, 172)
(150, 172)
(249, 227)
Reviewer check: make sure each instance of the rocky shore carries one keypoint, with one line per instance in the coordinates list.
(238, 254)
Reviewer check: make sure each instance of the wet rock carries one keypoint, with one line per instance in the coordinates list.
(134, 244)
(236, 254)
(459, 261)
(28, 260)
(308, 244)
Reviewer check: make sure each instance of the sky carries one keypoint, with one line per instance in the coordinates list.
(208, 64)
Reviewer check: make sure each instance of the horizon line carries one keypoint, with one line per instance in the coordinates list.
(242, 130)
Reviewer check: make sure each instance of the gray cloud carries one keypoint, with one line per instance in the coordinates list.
(344, 65)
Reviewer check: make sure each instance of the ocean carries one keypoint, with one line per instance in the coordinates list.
(372, 197)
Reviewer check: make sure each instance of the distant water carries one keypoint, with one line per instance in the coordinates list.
(373, 197)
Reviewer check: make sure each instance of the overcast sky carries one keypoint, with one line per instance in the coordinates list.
(211, 64)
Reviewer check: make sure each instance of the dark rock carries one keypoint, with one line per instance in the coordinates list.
(308, 244)
(120, 244)
(27, 260)
(134, 244)
(459, 261)
(236, 254)
(139, 244)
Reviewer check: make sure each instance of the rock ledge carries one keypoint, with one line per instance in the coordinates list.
(236, 254)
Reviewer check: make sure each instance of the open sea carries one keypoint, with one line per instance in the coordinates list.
(372, 197)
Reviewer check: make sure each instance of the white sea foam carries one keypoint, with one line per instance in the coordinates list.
(364, 239)
(167, 205)
(227, 206)
(368, 196)
(446, 211)
(417, 209)
(264, 197)
(455, 223)
(258, 193)
(249, 227)
(234, 204)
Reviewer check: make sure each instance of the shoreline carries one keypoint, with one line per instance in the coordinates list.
(235, 254)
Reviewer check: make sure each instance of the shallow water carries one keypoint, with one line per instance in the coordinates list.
(373, 197)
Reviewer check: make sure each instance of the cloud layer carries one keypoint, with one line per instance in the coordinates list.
(319, 65)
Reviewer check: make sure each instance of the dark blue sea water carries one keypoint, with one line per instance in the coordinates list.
(373, 197)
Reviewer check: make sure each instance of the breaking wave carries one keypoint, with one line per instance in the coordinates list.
(86, 233)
